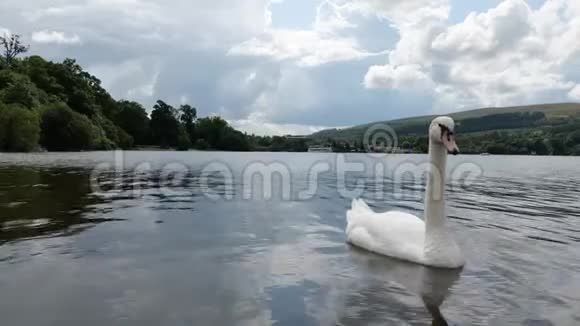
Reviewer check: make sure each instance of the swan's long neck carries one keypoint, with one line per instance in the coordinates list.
(435, 192)
(440, 248)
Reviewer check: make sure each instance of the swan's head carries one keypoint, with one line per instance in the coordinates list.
(442, 131)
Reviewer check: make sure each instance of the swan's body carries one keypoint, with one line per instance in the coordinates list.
(403, 235)
(400, 235)
(393, 234)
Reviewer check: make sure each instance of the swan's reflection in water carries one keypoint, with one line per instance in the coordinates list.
(432, 285)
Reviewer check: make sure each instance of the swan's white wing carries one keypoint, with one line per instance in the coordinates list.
(395, 234)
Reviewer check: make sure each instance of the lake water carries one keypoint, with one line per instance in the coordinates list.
(196, 238)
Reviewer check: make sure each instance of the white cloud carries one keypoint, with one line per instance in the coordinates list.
(307, 47)
(293, 93)
(193, 24)
(403, 14)
(145, 90)
(55, 37)
(403, 77)
(330, 18)
(509, 55)
(184, 99)
(501, 28)
(263, 128)
(4, 31)
(575, 93)
(132, 79)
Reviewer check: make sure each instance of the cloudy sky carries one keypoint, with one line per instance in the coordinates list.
(294, 66)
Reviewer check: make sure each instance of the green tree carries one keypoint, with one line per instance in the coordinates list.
(125, 141)
(421, 144)
(81, 102)
(19, 90)
(63, 129)
(111, 136)
(557, 146)
(12, 47)
(6, 78)
(19, 129)
(133, 118)
(497, 149)
(80, 90)
(201, 144)
(39, 84)
(187, 116)
(183, 141)
(573, 138)
(37, 69)
(211, 129)
(218, 134)
(164, 125)
(232, 140)
(538, 146)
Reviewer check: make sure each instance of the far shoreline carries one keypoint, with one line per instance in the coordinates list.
(158, 149)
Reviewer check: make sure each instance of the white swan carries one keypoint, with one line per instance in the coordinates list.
(405, 236)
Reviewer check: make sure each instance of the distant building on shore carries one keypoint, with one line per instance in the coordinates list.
(320, 149)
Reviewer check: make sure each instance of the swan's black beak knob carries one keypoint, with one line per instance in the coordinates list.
(455, 151)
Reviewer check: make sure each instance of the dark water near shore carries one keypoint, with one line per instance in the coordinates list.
(179, 244)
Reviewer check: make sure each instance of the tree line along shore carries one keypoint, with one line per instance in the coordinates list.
(60, 107)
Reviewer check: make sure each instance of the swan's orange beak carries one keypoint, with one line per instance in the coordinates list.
(449, 143)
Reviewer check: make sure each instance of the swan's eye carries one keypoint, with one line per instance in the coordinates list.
(444, 129)
(446, 132)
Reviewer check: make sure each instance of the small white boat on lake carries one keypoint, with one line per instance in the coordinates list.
(320, 149)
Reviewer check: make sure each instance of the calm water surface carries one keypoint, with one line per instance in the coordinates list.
(155, 249)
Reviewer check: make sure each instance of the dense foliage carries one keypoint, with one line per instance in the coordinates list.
(19, 128)
(61, 107)
(550, 140)
(510, 133)
(64, 129)
(65, 107)
(521, 133)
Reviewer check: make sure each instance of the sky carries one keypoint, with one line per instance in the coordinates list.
(280, 67)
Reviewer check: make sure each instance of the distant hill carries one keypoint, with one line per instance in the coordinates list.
(546, 129)
(478, 120)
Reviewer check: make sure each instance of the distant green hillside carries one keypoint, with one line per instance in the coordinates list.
(478, 129)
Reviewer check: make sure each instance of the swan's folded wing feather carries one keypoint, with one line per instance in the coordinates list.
(395, 234)
(359, 206)
(357, 214)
